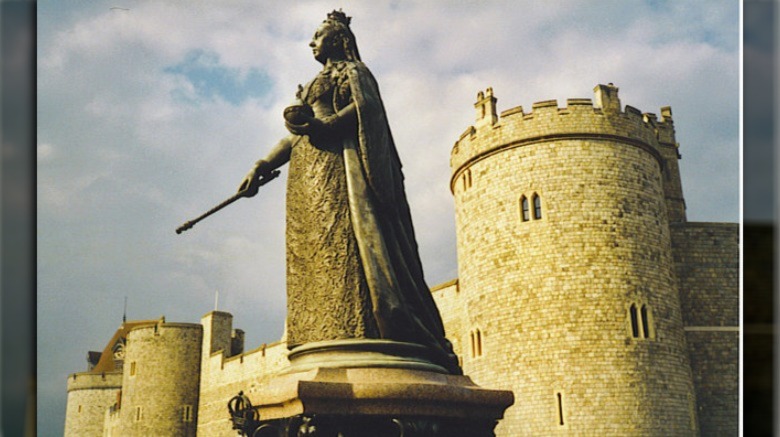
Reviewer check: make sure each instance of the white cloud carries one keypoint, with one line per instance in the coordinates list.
(44, 151)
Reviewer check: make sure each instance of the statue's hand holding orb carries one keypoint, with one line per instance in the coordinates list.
(298, 119)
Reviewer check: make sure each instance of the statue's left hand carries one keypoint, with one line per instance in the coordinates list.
(312, 127)
(298, 129)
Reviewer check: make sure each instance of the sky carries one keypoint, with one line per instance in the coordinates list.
(760, 115)
(150, 113)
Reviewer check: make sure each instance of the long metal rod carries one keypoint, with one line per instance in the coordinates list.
(190, 223)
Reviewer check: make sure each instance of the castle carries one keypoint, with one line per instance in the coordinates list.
(581, 287)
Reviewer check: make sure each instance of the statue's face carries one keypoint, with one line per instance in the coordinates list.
(323, 43)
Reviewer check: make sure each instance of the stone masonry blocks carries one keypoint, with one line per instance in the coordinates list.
(161, 380)
(89, 396)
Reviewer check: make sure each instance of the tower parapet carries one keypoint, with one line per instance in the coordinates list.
(601, 118)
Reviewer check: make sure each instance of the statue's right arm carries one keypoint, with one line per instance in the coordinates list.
(277, 157)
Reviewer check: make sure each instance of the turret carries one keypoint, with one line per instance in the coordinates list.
(486, 108)
(161, 377)
(606, 98)
(92, 394)
(89, 396)
(669, 149)
(217, 333)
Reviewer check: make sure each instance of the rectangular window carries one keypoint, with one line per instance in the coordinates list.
(645, 327)
(466, 179)
(132, 368)
(560, 409)
(634, 321)
(476, 343)
(186, 415)
(137, 414)
(537, 207)
(647, 322)
(524, 209)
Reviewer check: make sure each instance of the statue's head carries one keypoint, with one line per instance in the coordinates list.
(334, 39)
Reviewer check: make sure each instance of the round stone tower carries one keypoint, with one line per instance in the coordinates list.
(565, 266)
(161, 380)
(89, 396)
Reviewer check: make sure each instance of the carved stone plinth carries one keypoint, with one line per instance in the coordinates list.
(373, 426)
(374, 388)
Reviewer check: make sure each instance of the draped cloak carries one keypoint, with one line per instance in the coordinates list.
(398, 301)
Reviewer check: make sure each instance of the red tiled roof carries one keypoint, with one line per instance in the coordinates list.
(106, 362)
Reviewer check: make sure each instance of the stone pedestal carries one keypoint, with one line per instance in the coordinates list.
(371, 388)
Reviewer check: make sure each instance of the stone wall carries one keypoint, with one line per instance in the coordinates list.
(706, 257)
(89, 396)
(451, 304)
(715, 363)
(223, 376)
(707, 263)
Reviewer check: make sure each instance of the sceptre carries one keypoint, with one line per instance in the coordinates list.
(243, 193)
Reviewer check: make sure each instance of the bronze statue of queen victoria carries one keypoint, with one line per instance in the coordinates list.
(353, 268)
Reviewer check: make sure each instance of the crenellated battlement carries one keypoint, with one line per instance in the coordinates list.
(162, 327)
(268, 356)
(600, 117)
(92, 381)
(222, 377)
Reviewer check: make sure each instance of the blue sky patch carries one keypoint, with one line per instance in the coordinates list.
(212, 80)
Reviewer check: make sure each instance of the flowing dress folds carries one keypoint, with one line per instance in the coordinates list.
(353, 268)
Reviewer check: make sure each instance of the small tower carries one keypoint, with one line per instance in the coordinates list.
(669, 150)
(90, 394)
(566, 269)
(93, 393)
(217, 333)
(486, 108)
(160, 384)
(606, 98)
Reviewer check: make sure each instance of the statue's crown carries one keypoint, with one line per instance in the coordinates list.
(340, 17)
